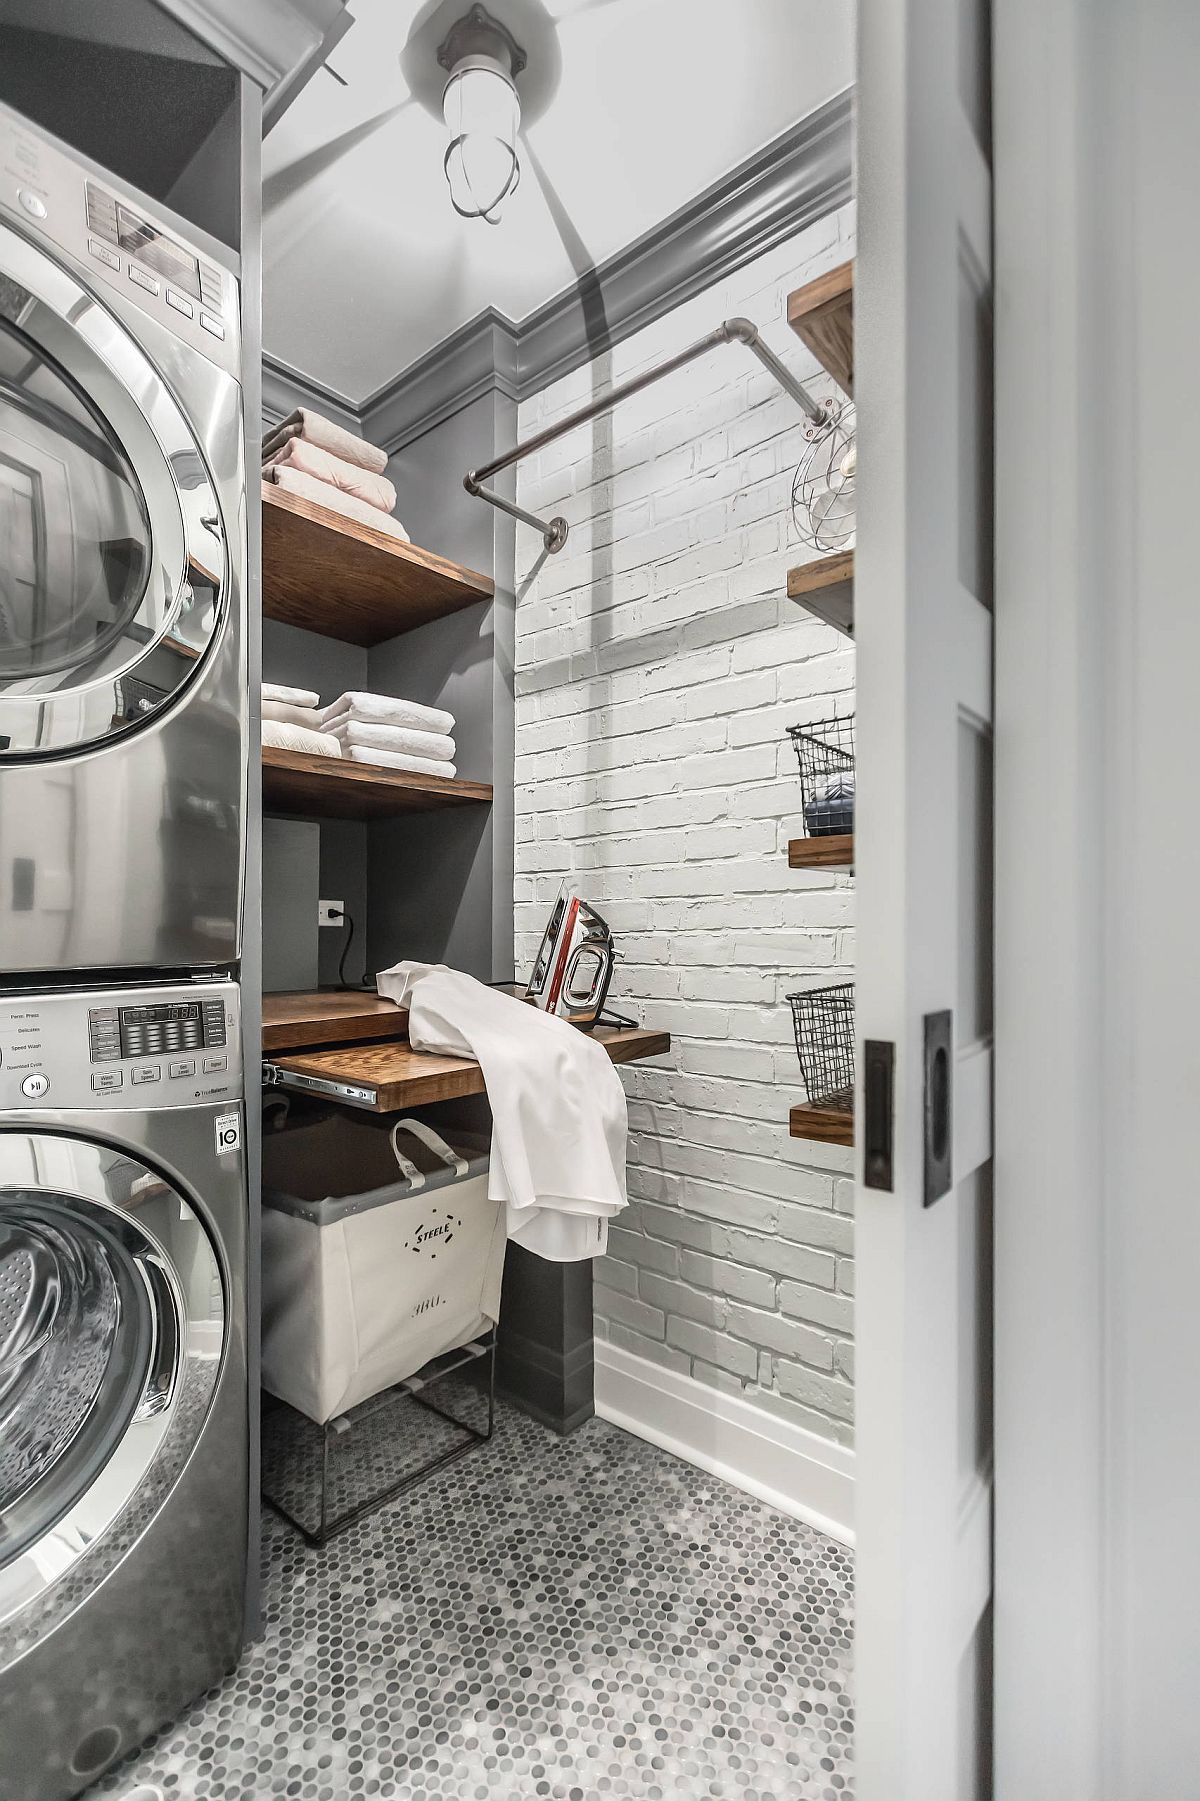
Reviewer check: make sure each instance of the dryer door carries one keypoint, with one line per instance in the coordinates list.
(112, 1324)
(112, 558)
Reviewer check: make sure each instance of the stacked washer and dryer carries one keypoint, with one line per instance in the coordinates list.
(123, 768)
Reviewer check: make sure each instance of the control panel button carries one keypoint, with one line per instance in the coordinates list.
(107, 1080)
(142, 279)
(212, 1064)
(146, 1072)
(180, 302)
(103, 254)
(35, 1086)
(211, 325)
(33, 206)
(185, 1067)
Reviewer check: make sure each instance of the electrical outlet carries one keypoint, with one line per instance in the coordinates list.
(331, 913)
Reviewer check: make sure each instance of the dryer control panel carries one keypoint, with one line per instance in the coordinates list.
(118, 241)
(151, 1047)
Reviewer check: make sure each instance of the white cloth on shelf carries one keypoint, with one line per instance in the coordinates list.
(385, 709)
(315, 428)
(559, 1125)
(402, 739)
(276, 710)
(351, 478)
(291, 697)
(295, 737)
(391, 759)
(324, 494)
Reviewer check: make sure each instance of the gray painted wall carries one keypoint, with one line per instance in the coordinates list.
(436, 881)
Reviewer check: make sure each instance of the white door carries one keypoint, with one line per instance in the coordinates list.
(923, 629)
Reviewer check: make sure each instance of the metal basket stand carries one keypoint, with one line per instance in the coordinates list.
(337, 1430)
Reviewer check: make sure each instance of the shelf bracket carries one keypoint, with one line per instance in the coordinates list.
(731, 331)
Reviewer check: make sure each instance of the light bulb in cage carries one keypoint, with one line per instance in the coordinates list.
(823, 490)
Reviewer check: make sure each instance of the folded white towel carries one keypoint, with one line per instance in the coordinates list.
(324, 494)
(291, 697)
(559, 1124)
(351, 478)
(294, 737)
(386, 709)
(308, 717)
(314, 428)
(400, 738)
(390, 759)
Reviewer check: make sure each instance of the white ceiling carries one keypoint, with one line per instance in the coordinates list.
(631, 108)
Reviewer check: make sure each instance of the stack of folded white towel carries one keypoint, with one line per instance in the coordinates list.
(396, 734)
(291, 721)
(311, 456)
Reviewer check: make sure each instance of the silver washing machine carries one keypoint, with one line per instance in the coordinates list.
(122, 576)
(123, 1404)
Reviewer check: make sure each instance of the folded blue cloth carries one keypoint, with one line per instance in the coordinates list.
(832, 812)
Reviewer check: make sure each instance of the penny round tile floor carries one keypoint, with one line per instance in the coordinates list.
(569, 1618)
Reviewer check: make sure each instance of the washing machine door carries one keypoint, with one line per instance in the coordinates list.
(112, 554)
(112, 1325)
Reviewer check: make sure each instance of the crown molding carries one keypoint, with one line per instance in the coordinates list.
(796, 179)
(284, 389)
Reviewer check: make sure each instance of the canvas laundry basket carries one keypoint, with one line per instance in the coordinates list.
(380, 1250)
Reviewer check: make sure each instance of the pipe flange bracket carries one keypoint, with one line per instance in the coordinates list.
(557, 536)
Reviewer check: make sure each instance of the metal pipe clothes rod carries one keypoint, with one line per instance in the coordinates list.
(731, 331)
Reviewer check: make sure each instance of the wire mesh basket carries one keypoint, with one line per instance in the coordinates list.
(823, 1020)
(825, 753)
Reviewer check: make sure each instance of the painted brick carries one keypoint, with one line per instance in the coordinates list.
(658, 665)
(713, 1347)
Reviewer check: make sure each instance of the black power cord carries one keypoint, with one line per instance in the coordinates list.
(350, 987)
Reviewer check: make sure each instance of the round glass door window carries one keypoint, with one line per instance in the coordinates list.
(76, 1343)
(75, 537)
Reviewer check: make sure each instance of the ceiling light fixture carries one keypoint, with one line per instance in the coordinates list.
(483, 114)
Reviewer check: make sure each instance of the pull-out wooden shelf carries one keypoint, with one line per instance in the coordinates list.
(826, 588)
(338, 788)
(386, 1078)
(821, 313)
(834, 851)
(304, 1018)
(333, 575)
(826, 1124)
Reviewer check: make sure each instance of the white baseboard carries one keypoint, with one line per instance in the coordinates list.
(791, 1469)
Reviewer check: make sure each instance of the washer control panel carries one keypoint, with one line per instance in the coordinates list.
(160, 1046)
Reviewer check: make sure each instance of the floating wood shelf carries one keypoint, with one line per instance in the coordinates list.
(304, 1018)
(337, 788)
(390, 1077)
(826, 1124)
(826, 588)
(821, 313)
(835, 851)
(332, 575)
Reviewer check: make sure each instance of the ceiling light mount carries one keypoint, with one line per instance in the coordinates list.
(482, 111)
(478, 34)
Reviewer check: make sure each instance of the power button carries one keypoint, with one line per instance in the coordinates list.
(33, 206)
(34, 1087)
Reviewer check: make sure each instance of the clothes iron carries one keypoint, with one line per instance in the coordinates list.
(575, 964)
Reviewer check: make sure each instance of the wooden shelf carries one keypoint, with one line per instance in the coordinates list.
(395, 1076)
(826, 588)
(836, 851)
(825, 1124)
(304, 1018)
(332, 575)
(337, 788)
(822, 315)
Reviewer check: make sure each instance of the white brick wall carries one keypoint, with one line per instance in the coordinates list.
(658, 665)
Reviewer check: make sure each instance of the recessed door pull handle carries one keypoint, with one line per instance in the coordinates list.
(879, 1067)
(939, 1105)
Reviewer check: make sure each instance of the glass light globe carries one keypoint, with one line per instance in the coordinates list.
(483, 115)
